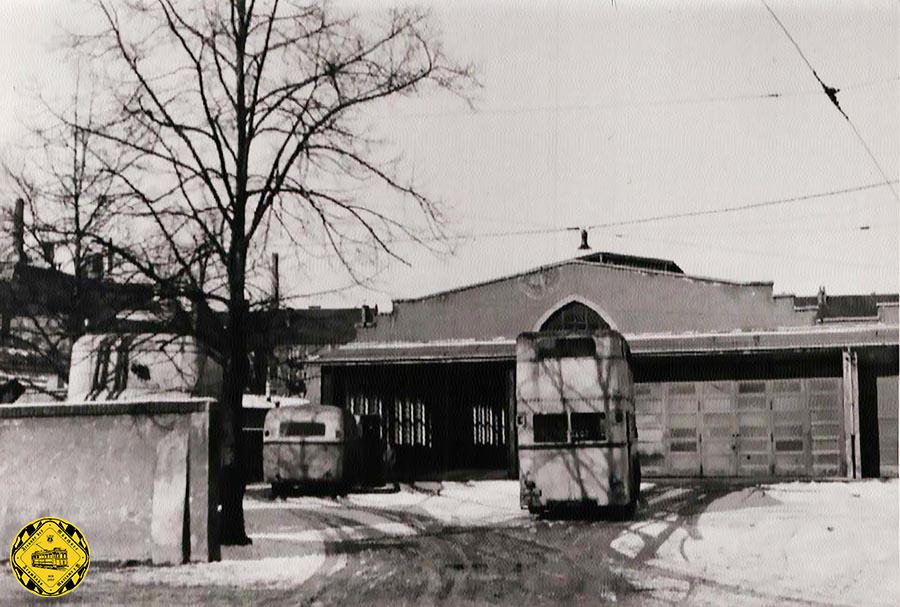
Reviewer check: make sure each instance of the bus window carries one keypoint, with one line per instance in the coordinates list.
(565, 347)
(550, 428)
(302, 429)
(588, 427)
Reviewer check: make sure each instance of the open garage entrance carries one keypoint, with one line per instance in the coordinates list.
(441, 419)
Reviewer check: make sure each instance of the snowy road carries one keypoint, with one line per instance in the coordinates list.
(691, 543)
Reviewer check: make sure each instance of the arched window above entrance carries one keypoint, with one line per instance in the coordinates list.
(574, 316)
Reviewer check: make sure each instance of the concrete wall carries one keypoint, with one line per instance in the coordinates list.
(135, 477)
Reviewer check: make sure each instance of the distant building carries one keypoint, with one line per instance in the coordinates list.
(733, 380)
(43, 309)
(281, 340)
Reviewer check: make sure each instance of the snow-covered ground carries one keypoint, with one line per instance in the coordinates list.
(832, 542)
(829, 542)
(470, 504)
(275, 572)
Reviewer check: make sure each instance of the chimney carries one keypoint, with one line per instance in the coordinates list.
(584, 241)
(368, 316)
(92, 265)
(276, 282)
(48, 252)
(821, 305)
(19, 231)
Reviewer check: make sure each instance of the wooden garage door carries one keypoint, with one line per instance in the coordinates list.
(826, 414)
(650, 421)
(682, 430)
(787, 427)
(790, 428)
(719, 428)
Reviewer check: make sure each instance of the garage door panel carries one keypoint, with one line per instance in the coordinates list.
(682, 432)
(754, 426)
(800, 417)
(648, 406)
(748, 427)
(754, 464)
(826, 464)
(719, 433)
(824, 384)
(786, 386)
(718, 465)
(754, 445)
(717, 405)
(834, 415)
(752, 403)
(790, 463)
(682, 406)
(788, 403)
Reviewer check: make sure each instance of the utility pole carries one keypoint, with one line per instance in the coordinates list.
(276, 283)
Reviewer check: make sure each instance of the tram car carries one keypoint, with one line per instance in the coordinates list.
(310, 447)
(58, 558)
(575, 421)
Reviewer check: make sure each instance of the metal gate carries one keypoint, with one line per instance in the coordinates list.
(790, 427)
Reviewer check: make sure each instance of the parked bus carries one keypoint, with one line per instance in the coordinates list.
(575, 421)
(310, 446)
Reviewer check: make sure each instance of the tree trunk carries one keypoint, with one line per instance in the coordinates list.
(235, 381)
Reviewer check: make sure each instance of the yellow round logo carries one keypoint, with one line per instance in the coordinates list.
(50, 556)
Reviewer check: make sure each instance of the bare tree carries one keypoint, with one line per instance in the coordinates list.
(65, 178)
(234, 118)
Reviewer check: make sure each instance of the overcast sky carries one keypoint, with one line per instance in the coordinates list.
(604, 112)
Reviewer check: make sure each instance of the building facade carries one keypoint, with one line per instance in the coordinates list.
(732, 380)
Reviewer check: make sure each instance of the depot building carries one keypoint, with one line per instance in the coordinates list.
(731, 379)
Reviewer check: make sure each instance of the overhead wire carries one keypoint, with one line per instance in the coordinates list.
(670, 216)
(742, 207)
(831, 93)
(674, 101)
(642, 220)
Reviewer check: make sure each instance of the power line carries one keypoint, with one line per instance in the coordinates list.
(662, 217)
(831, 93)
(756, 252)
(674, 101)
(742, 207)
(639, 220)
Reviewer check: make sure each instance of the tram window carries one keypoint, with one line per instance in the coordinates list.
(588, 427)
(302, 429)
(550, 428)
(566, 347)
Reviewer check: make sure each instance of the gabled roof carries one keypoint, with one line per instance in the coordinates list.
(633, 263)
